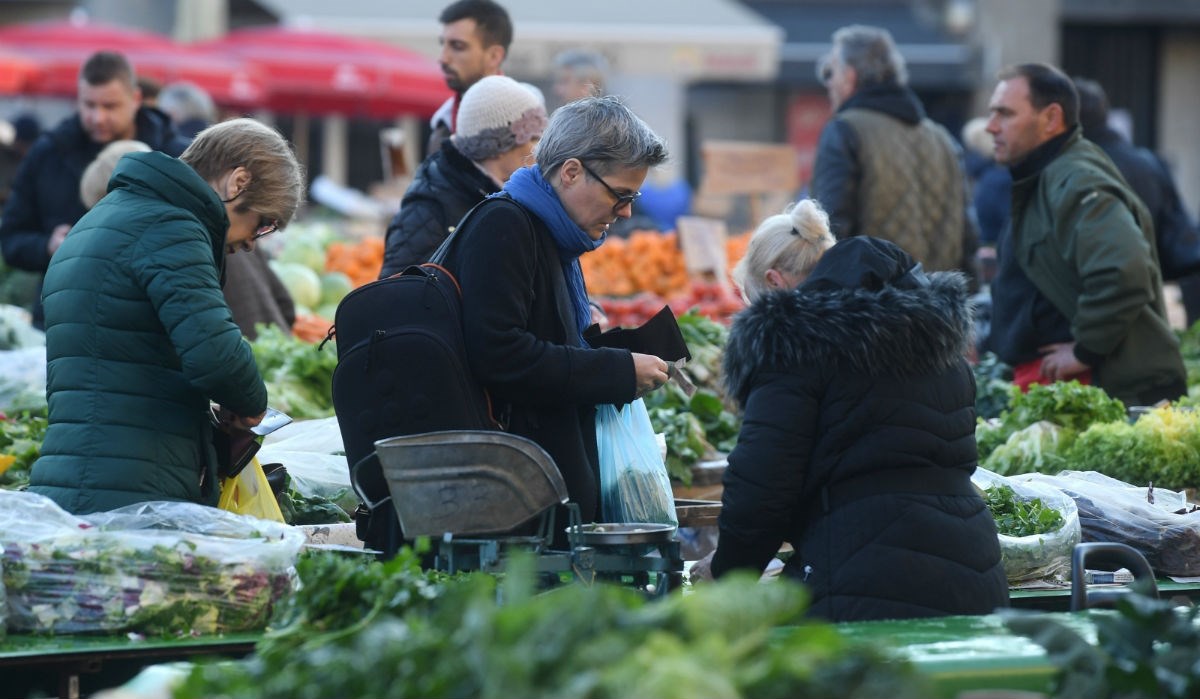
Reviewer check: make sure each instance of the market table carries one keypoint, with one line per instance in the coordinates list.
(964, 653)
(1059, 599)
(56, 664)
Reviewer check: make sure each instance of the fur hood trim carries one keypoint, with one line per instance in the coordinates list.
(893, 331)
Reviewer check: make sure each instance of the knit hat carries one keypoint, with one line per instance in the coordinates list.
(496, 115)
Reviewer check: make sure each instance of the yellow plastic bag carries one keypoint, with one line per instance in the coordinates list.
(248, 493)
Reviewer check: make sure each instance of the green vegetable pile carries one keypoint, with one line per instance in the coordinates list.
(299, 376)
(1147, 649)
(1162, 447)
(381, 637)
(1038, 448)
(1068, 404)
(21, 435)
(701, 426)
(993, 379)
(1017, 516)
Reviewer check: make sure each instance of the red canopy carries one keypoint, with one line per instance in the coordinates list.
(16, 72)
(320, 73)
(60, 48)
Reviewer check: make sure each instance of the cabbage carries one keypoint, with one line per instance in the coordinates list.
(1035, 449)
(334, 287)
(301, 282)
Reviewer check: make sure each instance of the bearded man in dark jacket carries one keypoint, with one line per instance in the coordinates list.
(858, 441)
(45, 202)
(883, 168)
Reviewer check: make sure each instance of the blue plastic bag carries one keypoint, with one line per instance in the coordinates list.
(634, 486)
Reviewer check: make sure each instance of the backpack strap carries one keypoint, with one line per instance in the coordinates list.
(439, 256)
(562, 296)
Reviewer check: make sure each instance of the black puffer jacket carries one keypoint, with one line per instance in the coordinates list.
(858, 441)
(446, 186)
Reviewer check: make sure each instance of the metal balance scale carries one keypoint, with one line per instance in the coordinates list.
(469, 490)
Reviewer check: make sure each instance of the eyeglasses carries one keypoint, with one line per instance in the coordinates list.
(265, 227)
(622, 199)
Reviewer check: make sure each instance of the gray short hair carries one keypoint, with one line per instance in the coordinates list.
(872, 54)
(94, 183)
(184, 101)
(276, 187)
(599, 130)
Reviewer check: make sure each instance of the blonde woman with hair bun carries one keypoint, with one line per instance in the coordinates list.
(857, 442)
(783, 250)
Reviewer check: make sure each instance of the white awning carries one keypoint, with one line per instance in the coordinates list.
(682, 39)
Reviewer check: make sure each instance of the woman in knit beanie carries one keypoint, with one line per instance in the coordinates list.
(499, 122)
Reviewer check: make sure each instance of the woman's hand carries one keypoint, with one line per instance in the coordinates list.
(701, 570)
(650, 372)
(246, 422)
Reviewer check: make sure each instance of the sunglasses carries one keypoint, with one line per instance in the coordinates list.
(622, 199)
(265, 227)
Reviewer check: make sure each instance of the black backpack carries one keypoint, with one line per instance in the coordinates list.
(402, 369)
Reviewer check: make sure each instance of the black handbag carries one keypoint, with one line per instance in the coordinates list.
(235, 447)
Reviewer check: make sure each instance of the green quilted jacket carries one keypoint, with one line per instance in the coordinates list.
(139, 339)
(1087, 242)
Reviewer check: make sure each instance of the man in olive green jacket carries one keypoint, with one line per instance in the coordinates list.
(1086, 244)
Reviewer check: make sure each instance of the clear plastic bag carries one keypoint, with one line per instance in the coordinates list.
(314, 456)
(634, 486)
(1113, 510)
(1037, 556)
(158, 568)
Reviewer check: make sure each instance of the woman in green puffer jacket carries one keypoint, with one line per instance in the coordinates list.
(139, 339)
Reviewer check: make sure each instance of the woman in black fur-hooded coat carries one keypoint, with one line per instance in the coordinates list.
(858, 441)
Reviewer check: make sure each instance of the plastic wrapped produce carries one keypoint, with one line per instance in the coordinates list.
(1155, 522)
(1031, 508)
(159, 568)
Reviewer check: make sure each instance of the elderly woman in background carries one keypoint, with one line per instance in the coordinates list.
(499, 122)
(524, 303)
(94, 183)
(139, 339)
(858, 441)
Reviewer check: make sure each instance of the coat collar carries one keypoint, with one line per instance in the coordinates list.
(891, 331)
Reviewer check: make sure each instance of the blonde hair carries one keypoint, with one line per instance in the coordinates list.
(976, 137)
(94, 183)
(276, 185)
(791, 242)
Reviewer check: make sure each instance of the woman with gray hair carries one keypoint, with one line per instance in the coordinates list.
(524, 302)
(139, 339)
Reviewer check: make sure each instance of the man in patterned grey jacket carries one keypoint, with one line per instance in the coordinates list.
(883, 168)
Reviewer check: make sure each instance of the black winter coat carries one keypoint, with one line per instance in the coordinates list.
(523, 345)
(858, 442)
(45, 192)
(446, 186)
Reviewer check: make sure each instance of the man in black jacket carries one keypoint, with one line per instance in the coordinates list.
(1177, 239)
(883, 168)
(45, 202)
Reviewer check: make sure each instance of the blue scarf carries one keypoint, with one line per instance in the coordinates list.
(529, 189)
